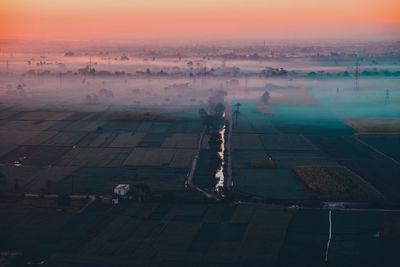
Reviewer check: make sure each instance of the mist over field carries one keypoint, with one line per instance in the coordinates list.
(199, 133)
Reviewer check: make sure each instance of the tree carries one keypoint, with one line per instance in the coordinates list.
(219, 108)
(265, 97)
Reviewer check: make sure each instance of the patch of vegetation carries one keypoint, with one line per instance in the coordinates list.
(136, 115)
(337, 183)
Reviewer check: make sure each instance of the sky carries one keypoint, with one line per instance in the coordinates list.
(261, 19)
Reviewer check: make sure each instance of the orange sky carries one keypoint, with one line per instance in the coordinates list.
(191, 18)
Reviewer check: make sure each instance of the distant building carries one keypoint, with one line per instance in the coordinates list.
(122, 189)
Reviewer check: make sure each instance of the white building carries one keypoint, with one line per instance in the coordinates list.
(121, 189)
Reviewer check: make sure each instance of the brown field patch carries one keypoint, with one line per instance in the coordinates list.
(264, 109)
(375, 125)
(337, 183)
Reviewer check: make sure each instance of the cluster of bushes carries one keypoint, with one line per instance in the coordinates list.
(337, 183)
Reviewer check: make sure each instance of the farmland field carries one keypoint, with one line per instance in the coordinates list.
(333, 183)
(199, 152)
(174, 234)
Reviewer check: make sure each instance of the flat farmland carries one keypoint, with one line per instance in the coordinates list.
(286, 142)
(354, 243)
(127, 139)
(337, 183)
(290, 159)
(99, 157)
(34, 155)
(141, 156)
(375, 125)
(65, 139)
(181, 141)
(121, 126)
(152, 140)
(34, 179)
(97, 139)
(251, 121)
(8, 113)
(19, 125)
(387, 144)
(182, 158)
(31, 222)
(152, 234)
(271, 184)
(246, 141)
(100, 180)
(374, 167)
(83, 126)
(39, 138)
(310, 229)
(283, 159)
(44, 115)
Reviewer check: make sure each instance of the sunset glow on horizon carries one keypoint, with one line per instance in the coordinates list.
(105, 18)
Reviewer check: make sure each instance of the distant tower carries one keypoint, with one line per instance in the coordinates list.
(356, 74)
(387, 97)
(7, 67)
